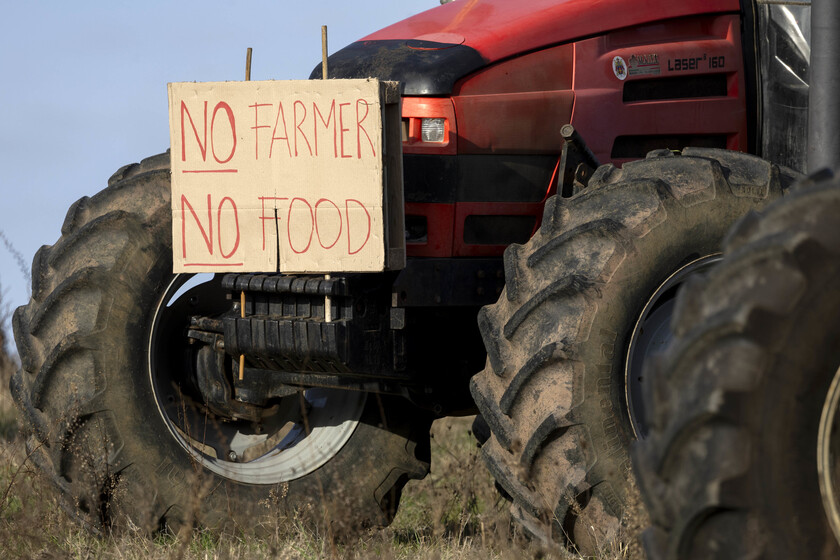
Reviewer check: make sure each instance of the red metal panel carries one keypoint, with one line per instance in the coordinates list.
(516, 106)
(464, 209)
(545, 70)
(601, 115)
(439, 221)
(513, 123)
(499, 29)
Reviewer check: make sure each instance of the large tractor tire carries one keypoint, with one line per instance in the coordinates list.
(745, 427)
(103, 391)
(586, 300)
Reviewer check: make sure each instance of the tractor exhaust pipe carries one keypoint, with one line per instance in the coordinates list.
(824, 93)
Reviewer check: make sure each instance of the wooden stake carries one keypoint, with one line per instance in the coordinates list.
(248, 65)
(324, 72)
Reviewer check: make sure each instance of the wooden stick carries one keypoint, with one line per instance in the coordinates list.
(324, 73)
(248, 65)
(327, 304)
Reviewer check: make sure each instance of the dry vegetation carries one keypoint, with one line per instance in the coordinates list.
(455, 513)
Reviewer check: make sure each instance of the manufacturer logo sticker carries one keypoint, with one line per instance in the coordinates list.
(619, 68)
(643, 65)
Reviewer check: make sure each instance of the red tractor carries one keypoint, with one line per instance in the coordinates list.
(128, 382)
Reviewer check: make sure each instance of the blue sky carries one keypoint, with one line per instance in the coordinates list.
(83, 89)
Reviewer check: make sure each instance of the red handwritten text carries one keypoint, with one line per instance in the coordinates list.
(308, 226)
(324, 129)
(207, 232)
(323, 221)
(202, 140)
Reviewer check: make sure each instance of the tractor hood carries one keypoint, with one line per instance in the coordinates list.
(429, 52)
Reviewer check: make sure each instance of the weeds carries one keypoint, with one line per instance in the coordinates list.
(21, 261)
(454, 514)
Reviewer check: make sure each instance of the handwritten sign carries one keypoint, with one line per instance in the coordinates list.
(278, 176)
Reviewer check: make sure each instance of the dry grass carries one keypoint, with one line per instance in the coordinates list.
(455, 513)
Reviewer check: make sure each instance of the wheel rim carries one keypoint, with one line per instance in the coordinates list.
(828, 455)
(651, 333)
(302, 433)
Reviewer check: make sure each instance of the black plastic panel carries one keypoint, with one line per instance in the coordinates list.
(428, 178)
(682, 87)
(425, 68)
(477, 178)
(504, 178)
(498, 230)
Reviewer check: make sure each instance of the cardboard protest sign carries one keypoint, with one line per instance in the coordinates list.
(284, 176)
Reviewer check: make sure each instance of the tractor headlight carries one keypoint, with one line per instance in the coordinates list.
(433, 130)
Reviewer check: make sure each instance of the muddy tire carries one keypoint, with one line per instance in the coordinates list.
(730, 470)
(554, 389)
(99, 422)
